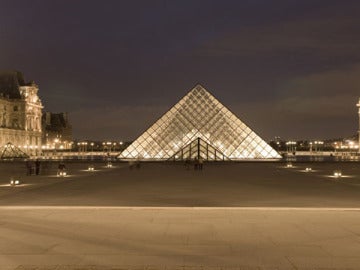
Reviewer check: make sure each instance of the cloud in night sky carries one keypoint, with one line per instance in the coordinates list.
(287, 68)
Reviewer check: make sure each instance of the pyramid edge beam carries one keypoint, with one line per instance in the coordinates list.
(157, 119)
(257, 135)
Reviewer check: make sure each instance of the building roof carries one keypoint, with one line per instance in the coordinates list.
(58, 121)
(10, 81)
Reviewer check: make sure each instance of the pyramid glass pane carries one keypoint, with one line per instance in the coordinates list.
(201, 116)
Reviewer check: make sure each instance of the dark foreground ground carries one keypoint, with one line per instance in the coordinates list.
(228, 216)
(235, 184)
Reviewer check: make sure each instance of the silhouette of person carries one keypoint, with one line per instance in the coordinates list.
(37, 167)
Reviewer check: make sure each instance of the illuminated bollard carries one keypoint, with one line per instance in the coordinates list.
(61, 174)
(337, 174)
(14, 182)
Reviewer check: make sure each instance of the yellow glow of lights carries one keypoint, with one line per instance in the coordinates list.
(61, 174)
(337, 174)
(14, 182)
(109, 165)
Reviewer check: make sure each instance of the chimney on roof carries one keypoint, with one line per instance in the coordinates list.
(65, 116)
(48, 118)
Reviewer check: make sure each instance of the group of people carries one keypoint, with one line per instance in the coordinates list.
(61, 166)
(134, 164)
(33, 168)
(198, 163)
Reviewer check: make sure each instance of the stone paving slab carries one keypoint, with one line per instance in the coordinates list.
(154, 239)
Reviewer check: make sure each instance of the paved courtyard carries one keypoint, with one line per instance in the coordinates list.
(163, 216)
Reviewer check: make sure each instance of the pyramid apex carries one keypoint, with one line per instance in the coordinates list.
(199, 86)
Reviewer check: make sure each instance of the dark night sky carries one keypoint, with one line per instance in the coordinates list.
(286, 68)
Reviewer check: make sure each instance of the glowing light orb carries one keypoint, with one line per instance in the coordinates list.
(61, 174)
(109, 165)
(337, 174)
(14, 182)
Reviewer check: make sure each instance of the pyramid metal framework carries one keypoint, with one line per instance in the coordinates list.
(10, 151)
(199, 126)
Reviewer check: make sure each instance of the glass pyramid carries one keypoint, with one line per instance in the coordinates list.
(10, 151)
(199, 126)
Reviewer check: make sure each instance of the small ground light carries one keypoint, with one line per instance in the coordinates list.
(91, 168)
(14, 182)
(337, 174)
(308, 169)
(289, 165)
(61, 174)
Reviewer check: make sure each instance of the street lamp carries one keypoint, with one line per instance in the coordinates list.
(291, 146)
(318, 145)
(92, 150)
(109, 145)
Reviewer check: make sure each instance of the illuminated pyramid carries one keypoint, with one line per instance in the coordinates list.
(199, 126)
(10, 151)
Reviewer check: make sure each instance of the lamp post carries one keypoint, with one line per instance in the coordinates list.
(120, 146)
(318, 145)
(92, 150)
(291, 146)
(109, 145)
(358, 105)
(84, 148)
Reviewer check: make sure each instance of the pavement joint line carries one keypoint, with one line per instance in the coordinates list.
(197, 208)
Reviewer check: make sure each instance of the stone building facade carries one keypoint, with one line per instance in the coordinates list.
(57, 131)
(20, 112)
